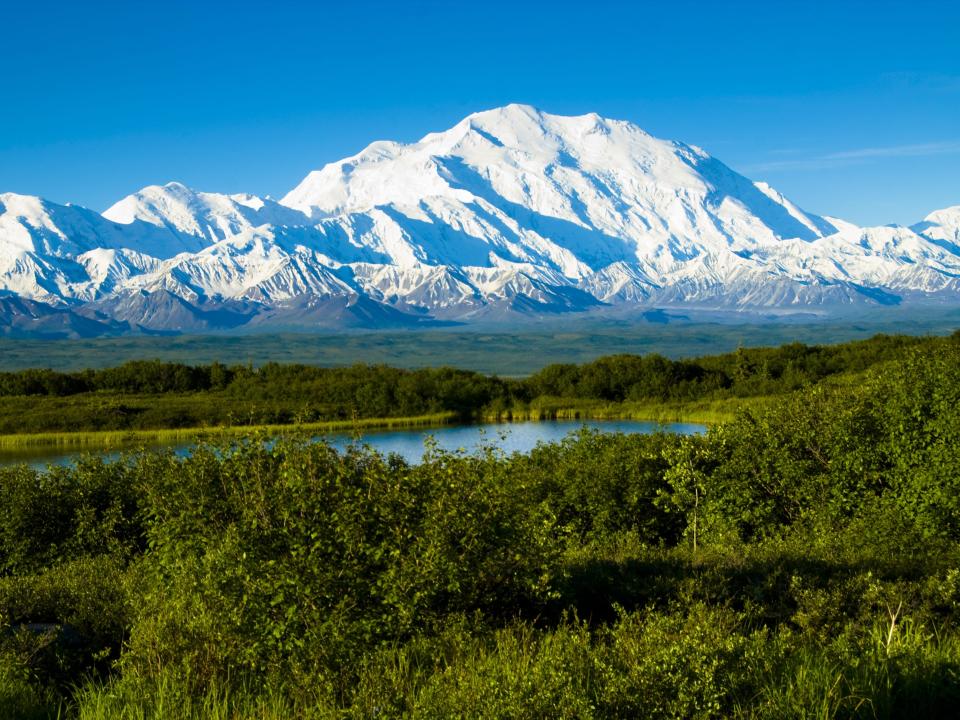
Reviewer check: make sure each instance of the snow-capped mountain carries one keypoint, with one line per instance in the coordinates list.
(197, 219)
(511, 212)
(941, 225)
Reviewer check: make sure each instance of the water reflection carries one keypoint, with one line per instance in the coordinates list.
(409, 443)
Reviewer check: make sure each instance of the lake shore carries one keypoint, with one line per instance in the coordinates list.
(711, 412)
(109, 439)
(704, 412)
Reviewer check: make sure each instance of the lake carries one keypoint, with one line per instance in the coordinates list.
(409, 443)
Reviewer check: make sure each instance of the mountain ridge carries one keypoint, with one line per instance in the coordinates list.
(512, 213)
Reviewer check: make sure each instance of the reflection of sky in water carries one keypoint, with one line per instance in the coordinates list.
(409, 444)
(509, 437)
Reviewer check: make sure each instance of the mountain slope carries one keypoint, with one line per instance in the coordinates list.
(198, 219)
(942, 226)
(574, 194)
(512, 212)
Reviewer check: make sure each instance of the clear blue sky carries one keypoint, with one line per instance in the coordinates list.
(850, 108)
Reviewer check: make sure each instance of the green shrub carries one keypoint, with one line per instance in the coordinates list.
(68, 621)
(799, 561)
(685, 664)
(599, 484)
(64, 513)
(296, 558)
(22, 698)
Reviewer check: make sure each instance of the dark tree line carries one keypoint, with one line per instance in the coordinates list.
(612, 378)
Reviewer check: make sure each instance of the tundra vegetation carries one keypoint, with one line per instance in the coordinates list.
(801, 559)
(154, 395)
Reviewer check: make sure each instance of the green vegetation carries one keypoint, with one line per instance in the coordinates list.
(109, 439)
(519, 352)
(707, 412)
(151, 402)
(802, 559)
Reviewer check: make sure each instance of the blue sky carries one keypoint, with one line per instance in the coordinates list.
(850, 108)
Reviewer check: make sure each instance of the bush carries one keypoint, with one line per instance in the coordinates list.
(800, 560)
(66, 513)
(687, 664)
(68, 621)
(296, 559)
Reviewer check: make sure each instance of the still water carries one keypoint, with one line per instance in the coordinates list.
(409, 443)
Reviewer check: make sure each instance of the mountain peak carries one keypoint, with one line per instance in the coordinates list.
(511, 113)
(941, 225)
(609, 191)
(517, 125)
(512, 210)
(524, 113)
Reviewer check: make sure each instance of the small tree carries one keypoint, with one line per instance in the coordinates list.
(687, 477)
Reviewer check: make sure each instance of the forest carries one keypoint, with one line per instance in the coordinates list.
(141, 395)
(801, 559)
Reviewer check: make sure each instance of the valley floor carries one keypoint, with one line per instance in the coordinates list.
(517, 353)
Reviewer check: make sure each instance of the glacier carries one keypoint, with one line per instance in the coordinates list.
(512, 213)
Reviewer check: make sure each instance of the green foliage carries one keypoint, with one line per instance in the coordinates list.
(66, 622)
(896, 669)
(172, 697)
(517, 672)
(142, 395)
(266, 560)
(20, 697)
(600, 484)
(832, 454)
(921, 420)
(801, 560)
(744, 373)
(150, 395)
(673, 665)
(67, 513)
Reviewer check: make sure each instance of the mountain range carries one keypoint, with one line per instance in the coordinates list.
(513, 213)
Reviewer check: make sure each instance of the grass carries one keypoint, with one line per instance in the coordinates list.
(169, 698)
(570, 672)
(21, 699)
(109, 439)
(706, 412)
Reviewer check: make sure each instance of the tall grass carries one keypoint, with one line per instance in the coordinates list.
(110, 439)
(21, 699)
(900, 669)
(170, 698)
(707, 412)
(657, 665)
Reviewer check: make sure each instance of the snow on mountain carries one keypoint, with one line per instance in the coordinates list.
(33, 225)
(249, 267)
(572, 193)
(609, 209)
(195, 220)
(877, 264)
(512, 211)
(63, 253)
(941, 225)
(107, 268)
